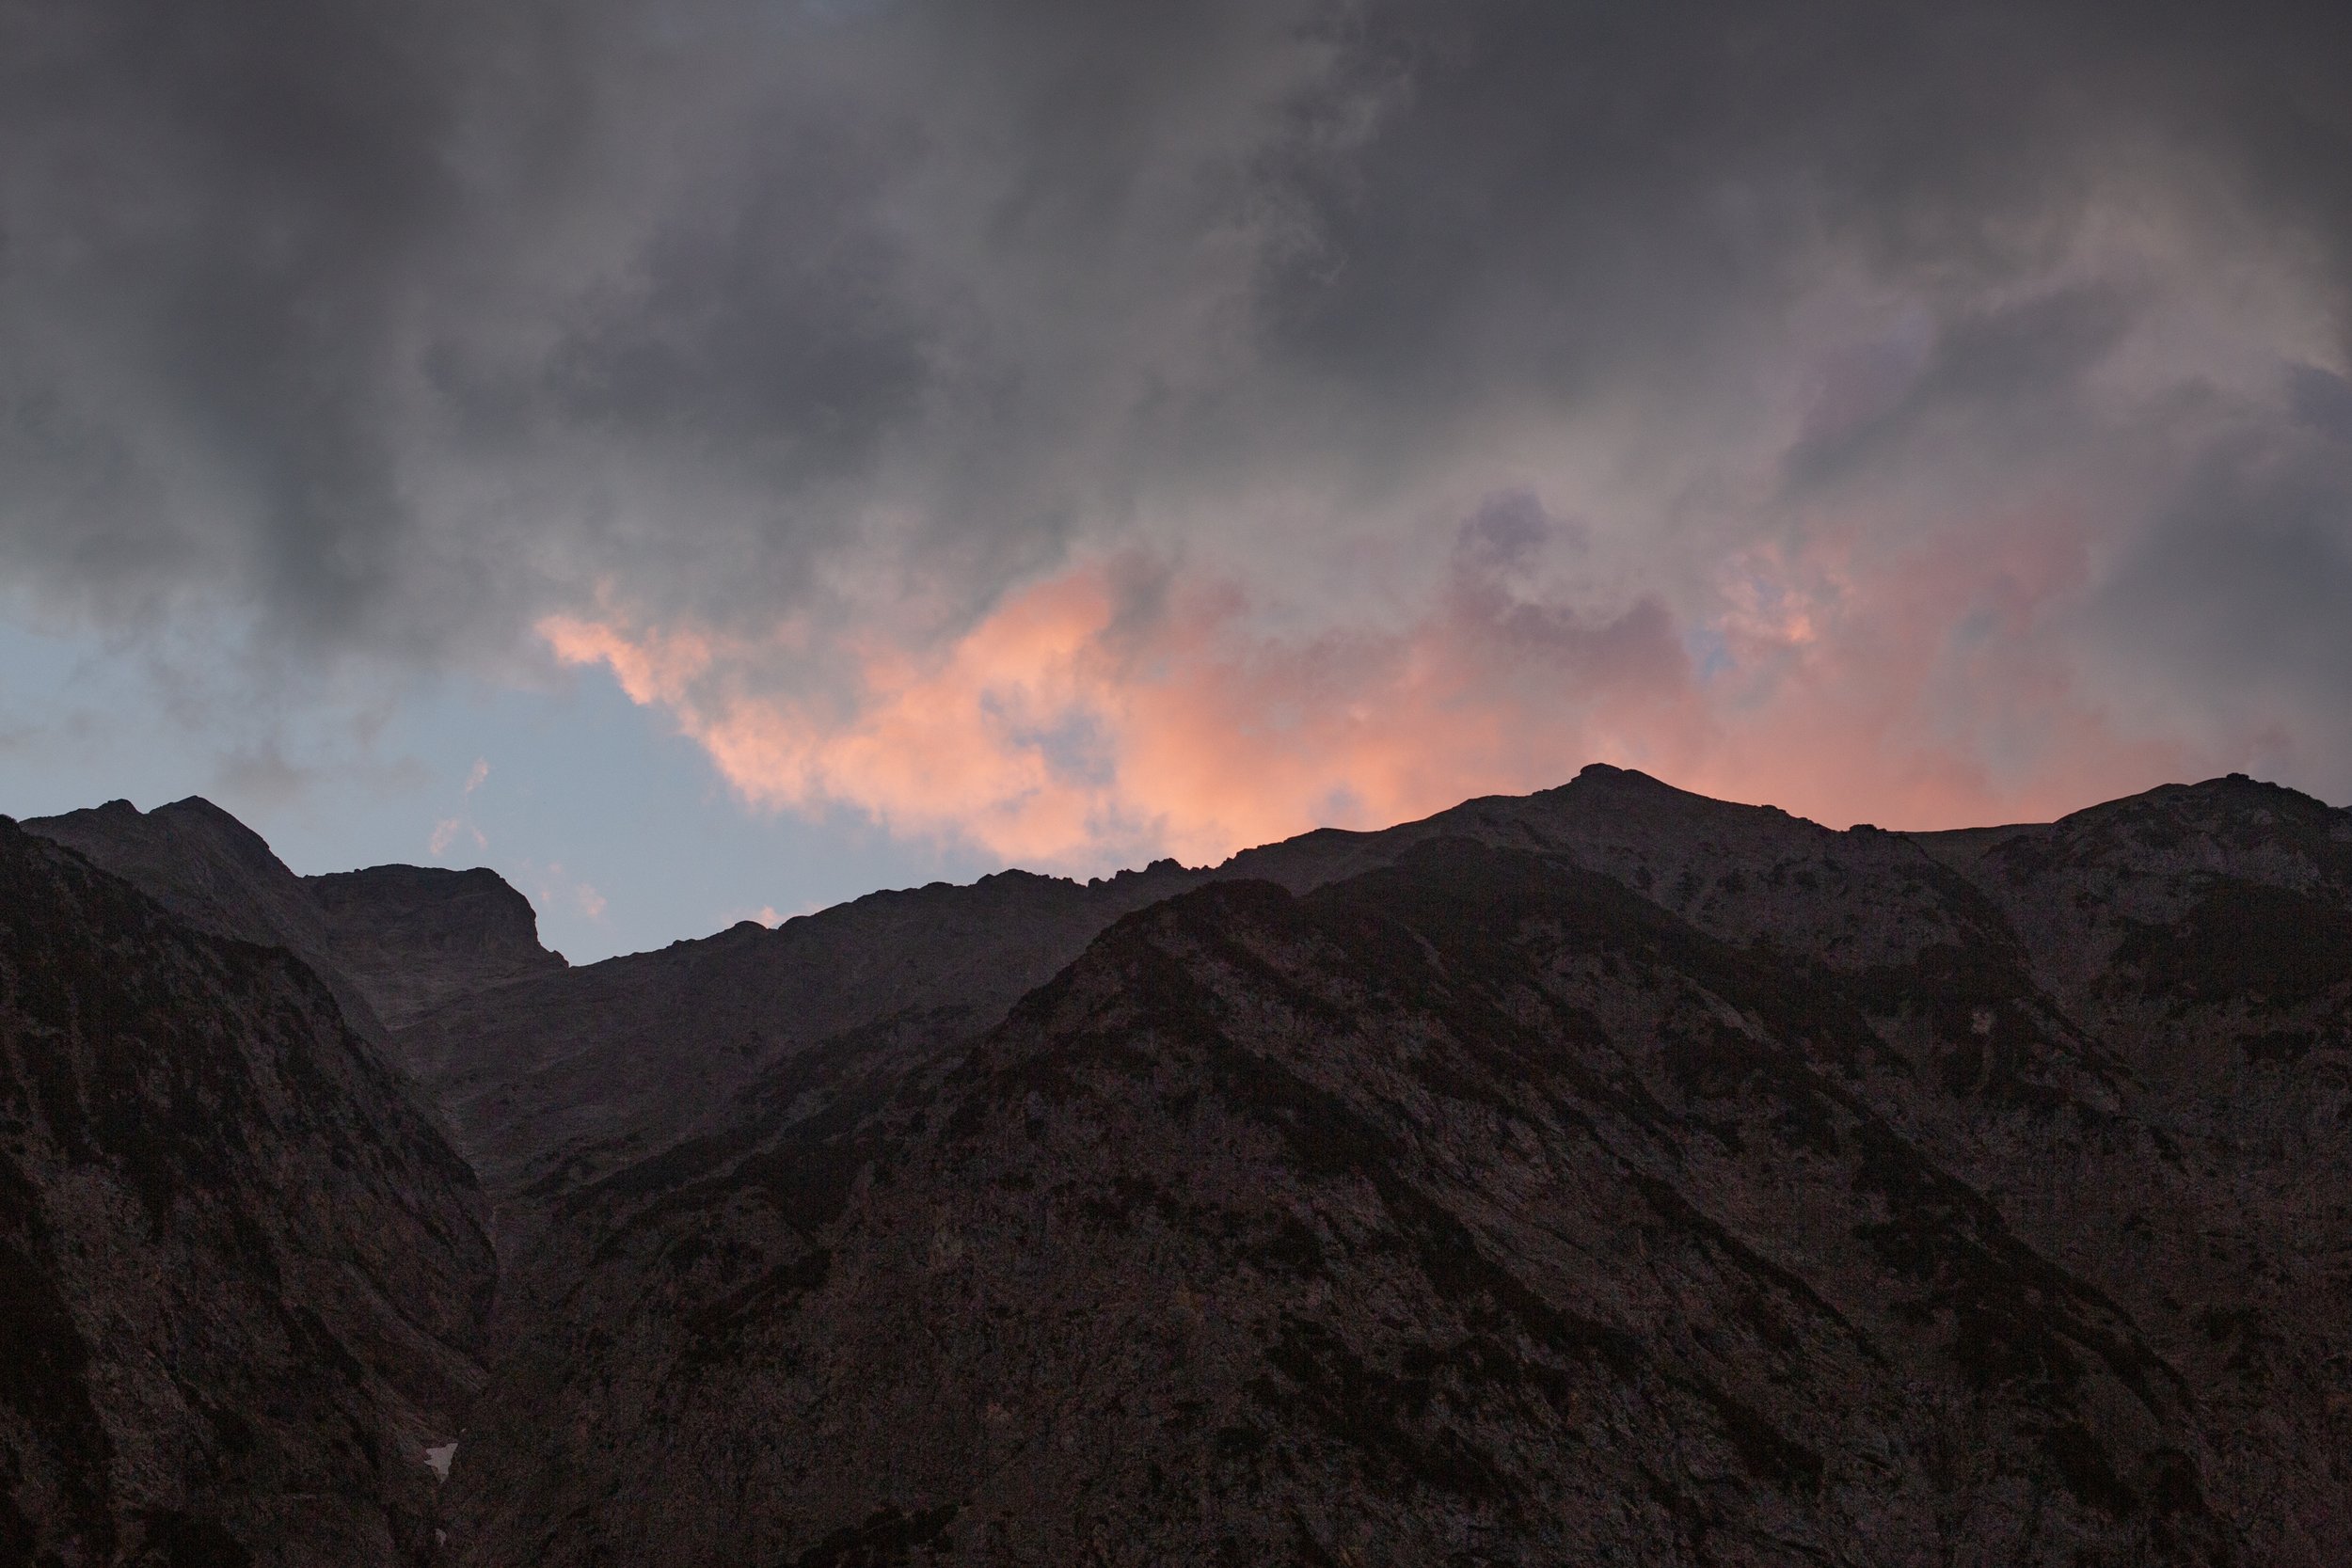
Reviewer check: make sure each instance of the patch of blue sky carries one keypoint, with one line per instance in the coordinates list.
(1709, 651)
(617, 828)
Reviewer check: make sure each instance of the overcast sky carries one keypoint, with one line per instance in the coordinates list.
(712, 458)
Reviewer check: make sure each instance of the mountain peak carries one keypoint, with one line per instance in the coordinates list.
(391, 940)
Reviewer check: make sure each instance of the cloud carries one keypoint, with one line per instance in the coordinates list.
(1108, 709)
(2240, 590)
(1931, 686)
(1051, 425)
(550, 884)
(1107, 713)
(447, 831)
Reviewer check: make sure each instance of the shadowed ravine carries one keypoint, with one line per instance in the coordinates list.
(1606, 1175)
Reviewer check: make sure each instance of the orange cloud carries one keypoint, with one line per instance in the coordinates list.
(1921, 687)
(1088, 720)
(1074, 725)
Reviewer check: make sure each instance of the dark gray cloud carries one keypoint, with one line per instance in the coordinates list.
(1565, 186)
(2244, 586)
(211, 220)
(385, 329)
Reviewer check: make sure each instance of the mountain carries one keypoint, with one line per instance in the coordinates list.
(575, 1073)
(243, 1276)
(390, 940)
(413, 937)
(1607, 1174)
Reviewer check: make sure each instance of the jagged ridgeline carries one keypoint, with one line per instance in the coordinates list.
(1609, 1175)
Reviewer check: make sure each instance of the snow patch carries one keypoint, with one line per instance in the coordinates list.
(438, 1460)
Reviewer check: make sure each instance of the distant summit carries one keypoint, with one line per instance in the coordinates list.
(393, 939)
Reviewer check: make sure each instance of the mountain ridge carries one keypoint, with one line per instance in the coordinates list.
(1608, 1173)
(359, 928)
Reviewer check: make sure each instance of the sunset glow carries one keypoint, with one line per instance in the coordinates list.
(1058, 732)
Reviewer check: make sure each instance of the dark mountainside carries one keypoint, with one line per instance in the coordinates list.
(393, 941)
(242, 1277)
(1609, 1175)
(413, 937)
(575, 1073)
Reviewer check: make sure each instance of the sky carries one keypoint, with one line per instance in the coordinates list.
(710, 459)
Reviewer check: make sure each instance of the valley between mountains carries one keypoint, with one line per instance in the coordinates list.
(1609, 1175)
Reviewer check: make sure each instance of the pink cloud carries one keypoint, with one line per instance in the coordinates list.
(1085, 722)
(1925, 687)
(1072, 725)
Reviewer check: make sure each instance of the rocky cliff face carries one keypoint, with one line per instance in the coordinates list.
(203, 866)
(1606, 1175)
(414, 936)
(242, 1276)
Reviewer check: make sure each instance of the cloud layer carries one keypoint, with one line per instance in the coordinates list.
(1089, 431)
(1109, 711)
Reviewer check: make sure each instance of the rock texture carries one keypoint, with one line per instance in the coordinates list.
(573, 1075)
(1607, 1174)
(1611, 1175)
(413, 937)
(205, 866)
(242, 1277)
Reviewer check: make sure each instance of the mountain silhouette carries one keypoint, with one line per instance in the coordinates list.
(1606, 1175)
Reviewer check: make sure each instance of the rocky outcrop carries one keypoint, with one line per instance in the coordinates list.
(200, 863)
(243, 1276)
(414, 936)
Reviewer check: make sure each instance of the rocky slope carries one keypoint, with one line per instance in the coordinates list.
(1607, 1174)
(1611, 1175)
(571, 1075)
(242, 1277)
